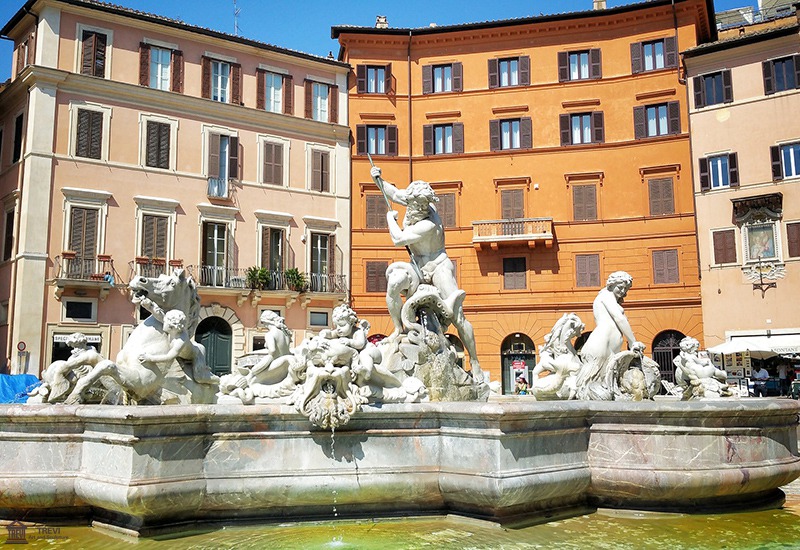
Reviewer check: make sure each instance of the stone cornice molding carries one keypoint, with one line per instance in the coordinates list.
(156, 202)
(94, 195)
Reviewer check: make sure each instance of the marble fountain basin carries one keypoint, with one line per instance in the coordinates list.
(147, 469)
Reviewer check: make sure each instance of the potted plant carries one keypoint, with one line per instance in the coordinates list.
(295, 280)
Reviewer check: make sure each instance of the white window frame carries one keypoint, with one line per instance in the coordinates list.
(718, 160)
(314, 224)
(65, 300)
(72, 142)
(157, 206)
(508, 72)
(443, 78)
(442, 139)
(514, 140)
(173, 139)
(215, 84)
(216, 214)
(155, 76)
(275, 220)
(85, 198)
(784, 172)
(776, 241)
(310, 148)
(286, 143)
(319, 106)
(273, 100)
(578, 70)
(205, 132)
(376, 139)
(376, 79)
(654, 56)
(79, 28)
(327, 311)
(584, 134)
(657, 109)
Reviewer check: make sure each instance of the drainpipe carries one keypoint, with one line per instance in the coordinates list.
(681, 79)
(410, 122)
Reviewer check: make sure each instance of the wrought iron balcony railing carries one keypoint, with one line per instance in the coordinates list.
(236, 278)
(70, 265)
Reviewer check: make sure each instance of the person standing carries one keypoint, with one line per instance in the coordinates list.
(783, 378)
(760, 386)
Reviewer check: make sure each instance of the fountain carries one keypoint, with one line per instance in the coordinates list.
(414, 433)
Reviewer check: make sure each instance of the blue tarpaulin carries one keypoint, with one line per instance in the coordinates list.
(14, 388)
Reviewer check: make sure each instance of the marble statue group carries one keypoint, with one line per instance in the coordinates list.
(328, 376)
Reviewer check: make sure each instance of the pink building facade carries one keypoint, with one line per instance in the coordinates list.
(133, 145)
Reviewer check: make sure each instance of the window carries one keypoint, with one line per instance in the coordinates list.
(662, 201)
(587, 270)
(376, 140)
(154, 236)
(26, 52)
(93, 53)
(719, 172)
(221, 80)
(323, 254)
(272, 239)
(665, 267)
(83, 233)
(781, 74)
(80, 310)
(785, 161)
(712, 89)
(584, 202)
(318, 318)
(516, 133)
(653, 55)
(443, 139)
(376, 212)
(160, 67)
(220, 77)
(442, 78)
(760, 242)
(322, 101)
(320, 171)
(157, 147)
(223, 163)
(514, 274)
(446, 208)
(89, 134)
(374, 79)
(16, 153)
(580, 65)
(657, 120)
(581, 128)
(272, 172)
(793, 239)
(8, 235)
(274, 92)
(512, 204)
(376, 276)
(514, 71)
(724, 246)
(215, 241)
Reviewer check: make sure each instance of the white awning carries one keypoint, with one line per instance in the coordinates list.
(777, 344)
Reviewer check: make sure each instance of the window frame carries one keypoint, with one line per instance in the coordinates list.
(593, 279)
(522, 71)
(380, 281)
(172, 123)
(665, 206)
(770, 76)
(156, 76)
(271, 105)
(81, 320)
(511, 274)
(575, 211)
(664, 252)
(670, 54)
(331, 152)
(641, 120)
(795, 159)
(85, 198)
(701, 92)
(320, 106)
(793, 240)
(156, 206)
(79, 29)
(775, 239)
(72, 143)
(285, 144)
(715, 260)
(233, 137)
(328, 313)
(366, 74)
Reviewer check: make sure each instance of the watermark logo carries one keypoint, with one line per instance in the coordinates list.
(19, 533)
(16, 533)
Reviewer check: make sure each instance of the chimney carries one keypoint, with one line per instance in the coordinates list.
(599, 4)
(381, 22)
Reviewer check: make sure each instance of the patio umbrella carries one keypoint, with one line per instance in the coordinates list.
(757, 350)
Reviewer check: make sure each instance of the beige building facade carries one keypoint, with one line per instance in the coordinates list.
(134, 145)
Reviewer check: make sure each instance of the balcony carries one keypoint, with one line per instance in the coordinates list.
(494, 233)
(73, 270)
(218, 188)
(144, 266)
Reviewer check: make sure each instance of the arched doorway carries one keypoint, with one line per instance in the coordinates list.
(455, 341)
(216, 335)
(666, 346)
(518, 357)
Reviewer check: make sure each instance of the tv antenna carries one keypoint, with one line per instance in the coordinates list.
(236, 12)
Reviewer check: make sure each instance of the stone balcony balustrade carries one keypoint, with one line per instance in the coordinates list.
(494, 233)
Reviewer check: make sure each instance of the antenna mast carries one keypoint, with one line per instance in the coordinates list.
(236, 12)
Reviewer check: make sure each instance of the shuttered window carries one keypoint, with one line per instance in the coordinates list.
(272, 239)
(725, 246)
(515, 133)
(157, 147)
(661, 195)
(781, 74)
(376, 276)
(446, 207)
(273, 163)
(89, 134)
(580, 65)
(657, 120)
(376, 140)
(514, 273)
(83, 232)
(154, 236)
(8, 236)
(654, 55)
(719, 171)
(16, 152)
(320, 171)
(442, 78)
(511, 71)
(582, 128)
(374, 79)
(321, 101)
(793, 239)
(712, 89)
(584, 202)
(93, 54)
(587, 270)
(512, 203)
(665, 267)
(376, 212)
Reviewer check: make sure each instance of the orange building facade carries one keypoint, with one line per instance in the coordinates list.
(559, 148)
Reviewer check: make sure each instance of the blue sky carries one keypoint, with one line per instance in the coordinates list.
(308, 29)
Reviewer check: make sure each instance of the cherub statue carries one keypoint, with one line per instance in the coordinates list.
(60, 376)
(697, 375)
(559, 358)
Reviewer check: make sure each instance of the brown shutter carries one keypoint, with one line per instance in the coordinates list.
(236, 84)
(725, 247)
(31, 59)
(233, 158)
(89, 40)
(512, 204)
(267, 175)
(769, 78)
(699, 92)
(376, 212)
(20, 58)
(376, 276)
(148, 236)
(446, 207)
(595, 63)
(163, 145)
(427, 139)
(309, 99)
(564, 128)
(361, 139)
(659, 267)
(427, 79)
(733, 170)
(261, 89)
(391, 141)
(524, 70)
(89, 139)
(598, 127)
(387, 74)
(671, 52)
(674, 115)
(177, 71)
(525, 133)
(333, 104)
(100, 55)
(662, 199)
(316, 171)
(458, 77)
(795, 62)
(587, 269)
(673, 269)
(494, 74)
(793, 238)
(563, 66)
(705, 178)
(494, 135)
(654, 195)
(265, 242)
(82, 133)
(326, 160)
(637, 65)
(581, 273)
(593, 267)
(144, 64)
(332, 255)
(83, 232)
(777, 166)
(361, 79)
(590, 201)
(727, 86)
(458, 137)
(639, 122)
(151, 148)
(213, 155)
(205, 85)
(96, 139)
(288, 95)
